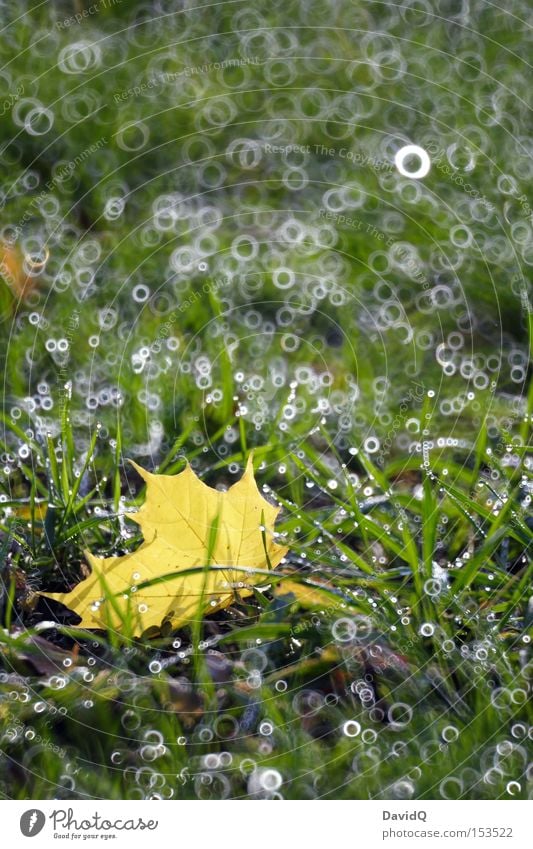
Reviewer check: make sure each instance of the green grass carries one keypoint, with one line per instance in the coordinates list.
(419, 615)
(388, 403)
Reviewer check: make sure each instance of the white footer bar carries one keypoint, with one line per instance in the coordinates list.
(253, 825)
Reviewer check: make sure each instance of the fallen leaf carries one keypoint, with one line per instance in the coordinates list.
(14, 274)
(25, 511)
(41, 655)
(186, 525)
(309, 594)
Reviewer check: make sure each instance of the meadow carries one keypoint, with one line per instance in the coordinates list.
(209, 249)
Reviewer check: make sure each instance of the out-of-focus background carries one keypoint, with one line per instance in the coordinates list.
(202, 214)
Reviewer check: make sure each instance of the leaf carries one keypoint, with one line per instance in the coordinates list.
(12, 271)
(186, 526)
(37, 653)
(309, 594)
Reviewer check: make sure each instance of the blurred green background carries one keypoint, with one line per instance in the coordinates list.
(237, 164)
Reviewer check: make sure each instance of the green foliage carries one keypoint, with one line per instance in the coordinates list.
(418, 645)
(386, 393)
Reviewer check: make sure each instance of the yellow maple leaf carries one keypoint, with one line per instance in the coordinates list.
(186, 525)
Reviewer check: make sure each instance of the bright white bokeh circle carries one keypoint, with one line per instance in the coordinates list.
(412, 150)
